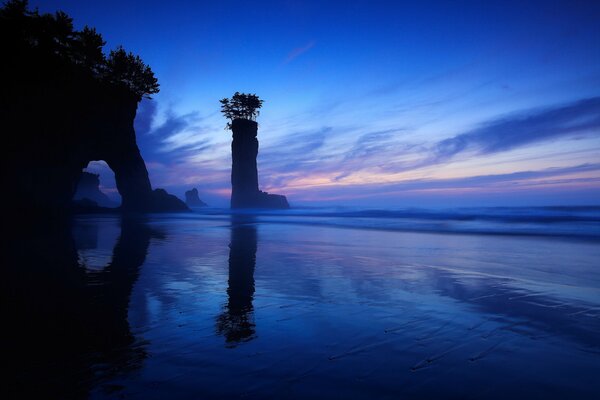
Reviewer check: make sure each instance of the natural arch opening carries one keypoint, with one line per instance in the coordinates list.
(98, 184)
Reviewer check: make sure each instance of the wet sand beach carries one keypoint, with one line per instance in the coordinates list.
(246, 306)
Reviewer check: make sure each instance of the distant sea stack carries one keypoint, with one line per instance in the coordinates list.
(244, 172)
(241, 110)
(192, 199)
(88, 187)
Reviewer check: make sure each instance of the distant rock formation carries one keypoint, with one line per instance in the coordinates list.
(88, 187)
(244, 172)
(163, 201)
(192, 199)
(59, 112)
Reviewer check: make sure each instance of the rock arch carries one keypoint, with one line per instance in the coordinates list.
(69, 127)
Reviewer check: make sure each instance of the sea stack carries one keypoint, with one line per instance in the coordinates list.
(88, 187)
(244, 172)
(241, 110)
(192, 199)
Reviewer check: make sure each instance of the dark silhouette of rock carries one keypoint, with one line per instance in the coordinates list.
(192, 199)
(163, 201)
(88, 187)
(61, 108)
(244, 172)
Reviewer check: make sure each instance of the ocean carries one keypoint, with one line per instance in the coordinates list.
(331, 303)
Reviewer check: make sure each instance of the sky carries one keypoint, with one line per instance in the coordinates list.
(369, 103)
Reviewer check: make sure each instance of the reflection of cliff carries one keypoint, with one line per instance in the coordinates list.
(67, 327)
(244, 172)
(61, 109)
(237, 321)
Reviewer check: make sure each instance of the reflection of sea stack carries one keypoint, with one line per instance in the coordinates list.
(242, 109)
(236, 323)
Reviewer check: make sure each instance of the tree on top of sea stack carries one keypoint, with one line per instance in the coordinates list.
(241, 106)
(241, 110)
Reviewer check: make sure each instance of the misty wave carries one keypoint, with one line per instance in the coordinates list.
(571, 222)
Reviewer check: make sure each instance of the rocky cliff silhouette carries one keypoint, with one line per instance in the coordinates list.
(63, 104)
(244, 172)
(192, 199)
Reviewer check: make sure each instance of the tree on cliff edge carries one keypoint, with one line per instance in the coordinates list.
(49, 43)
(241, 106)
(130, 71)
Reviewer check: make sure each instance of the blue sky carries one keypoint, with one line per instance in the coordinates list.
(374, 103)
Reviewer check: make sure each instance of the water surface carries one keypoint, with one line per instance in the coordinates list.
(310, 304)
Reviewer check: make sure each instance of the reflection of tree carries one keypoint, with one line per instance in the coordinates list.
(68, 327)
(236, 323)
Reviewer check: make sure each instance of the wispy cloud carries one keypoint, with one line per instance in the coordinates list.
(580, 118)
(175, 132)
(297, 153)
(146, 113)
(523, 129)
(291, 152)
(374, 149)
(298, 51)
(371, 143)
(172, 146)
(380, 156)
